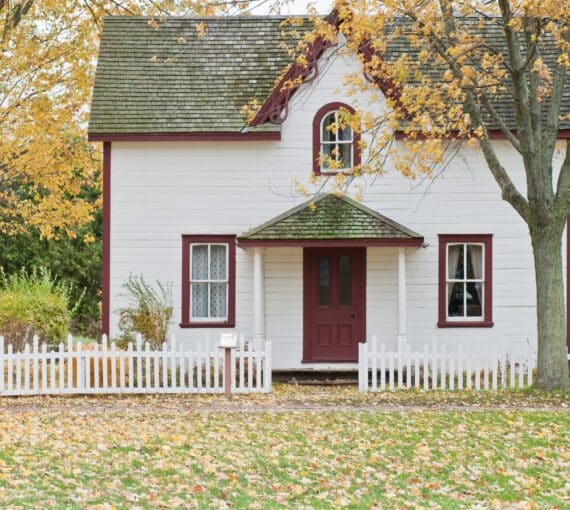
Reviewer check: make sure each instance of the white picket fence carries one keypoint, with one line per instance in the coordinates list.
(101, 368)
(433, 368)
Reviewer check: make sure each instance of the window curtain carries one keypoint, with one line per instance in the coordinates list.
(200, 262)
(453, 253)
(476, 253)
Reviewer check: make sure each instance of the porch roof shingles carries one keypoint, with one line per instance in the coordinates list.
(330, 217)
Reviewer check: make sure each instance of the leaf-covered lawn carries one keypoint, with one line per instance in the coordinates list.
(163, 452)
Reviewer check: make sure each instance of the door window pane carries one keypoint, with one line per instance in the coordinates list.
(344, 269)
(324, 280)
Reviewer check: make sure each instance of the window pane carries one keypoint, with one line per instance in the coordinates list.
(474, 262)
(199, 300)
(327, 155)
(455, 300)
(455, 262)
(344, 154)
(199, 262)
(328, 133)
(218, 262)
(218, 300)
(345, 280)
(474, 299)
(324, 280)
(345, 133)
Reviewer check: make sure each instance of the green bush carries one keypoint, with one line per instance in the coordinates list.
(69, 260)
(34, 303)
(149, 313)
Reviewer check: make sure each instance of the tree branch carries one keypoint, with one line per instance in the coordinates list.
(499, 121)
(552, 123)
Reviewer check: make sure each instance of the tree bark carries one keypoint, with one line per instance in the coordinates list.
(552, 368)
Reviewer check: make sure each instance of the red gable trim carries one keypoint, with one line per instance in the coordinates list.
(220, 136)
(276, 106)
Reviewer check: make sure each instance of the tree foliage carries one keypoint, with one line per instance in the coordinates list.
(444, 90)
(47, 61)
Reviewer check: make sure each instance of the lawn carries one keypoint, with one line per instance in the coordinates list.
(299, 447)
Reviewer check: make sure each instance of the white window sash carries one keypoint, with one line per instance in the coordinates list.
(336, 142)
(209, 281)
(465, 281)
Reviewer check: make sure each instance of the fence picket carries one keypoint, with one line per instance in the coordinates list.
(382, 367)
(494, 369)
(17, 359)
(36, 359)
(10, 384)
(26, 361)
(2, 370)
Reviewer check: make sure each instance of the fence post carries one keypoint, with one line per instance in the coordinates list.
(228, 372)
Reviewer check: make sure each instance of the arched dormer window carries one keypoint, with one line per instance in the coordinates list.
(335, 145)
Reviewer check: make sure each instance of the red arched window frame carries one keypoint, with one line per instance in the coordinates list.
(330, 107)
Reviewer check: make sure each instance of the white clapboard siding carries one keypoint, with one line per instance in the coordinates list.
(434, 368)
(97, 369)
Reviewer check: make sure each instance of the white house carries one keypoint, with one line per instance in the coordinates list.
(195, 198)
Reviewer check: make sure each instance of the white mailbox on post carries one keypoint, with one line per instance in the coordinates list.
(228, 340)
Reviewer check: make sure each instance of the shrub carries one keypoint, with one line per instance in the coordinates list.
(34, 303)
(149, 313)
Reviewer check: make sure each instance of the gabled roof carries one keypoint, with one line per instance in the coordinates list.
(171, 80)
(330, 217)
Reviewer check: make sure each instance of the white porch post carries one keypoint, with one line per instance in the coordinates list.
(258, 294)
(402, 321)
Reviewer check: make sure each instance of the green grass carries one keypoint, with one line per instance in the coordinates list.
(160, 452)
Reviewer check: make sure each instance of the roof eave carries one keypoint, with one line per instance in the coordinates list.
(331, 243)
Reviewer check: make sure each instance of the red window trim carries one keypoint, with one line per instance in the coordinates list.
(187, 240)
(487, 240)
(317, 136)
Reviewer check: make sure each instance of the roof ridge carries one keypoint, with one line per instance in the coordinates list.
(286, 214)
(376, 214)
(122, 17)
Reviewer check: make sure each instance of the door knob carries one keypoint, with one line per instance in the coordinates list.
(353, 316)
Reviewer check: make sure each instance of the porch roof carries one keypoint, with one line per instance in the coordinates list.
(330, 220)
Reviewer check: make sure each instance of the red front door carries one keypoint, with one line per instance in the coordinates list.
(334, 303)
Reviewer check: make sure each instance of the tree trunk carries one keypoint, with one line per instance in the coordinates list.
(552, 369)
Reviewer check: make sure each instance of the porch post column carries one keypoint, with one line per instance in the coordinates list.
(402, 321)
(258, 294)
